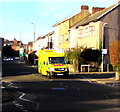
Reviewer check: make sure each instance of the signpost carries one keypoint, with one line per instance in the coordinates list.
(22, 54)
(104, 51)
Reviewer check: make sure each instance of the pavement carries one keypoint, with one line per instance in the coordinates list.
(110, 81)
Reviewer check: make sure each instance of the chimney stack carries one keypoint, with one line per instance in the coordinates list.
(84, 7)
(118, 1)
(96, 9)
(15, 41)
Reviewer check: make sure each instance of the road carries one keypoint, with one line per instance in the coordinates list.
(32, 92)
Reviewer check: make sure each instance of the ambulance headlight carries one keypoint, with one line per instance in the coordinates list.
(51, 69)
(66, 69)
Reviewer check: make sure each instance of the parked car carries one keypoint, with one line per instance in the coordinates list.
(10, 59)
(16, 58)
(5, 59)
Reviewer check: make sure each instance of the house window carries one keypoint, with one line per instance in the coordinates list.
(91, 30)
(50, 39)
(81, 33)
(61, 39)
(66, 36)
(86, 32)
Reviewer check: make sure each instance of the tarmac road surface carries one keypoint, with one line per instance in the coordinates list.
(33, 92)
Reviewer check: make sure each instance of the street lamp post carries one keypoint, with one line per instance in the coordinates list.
(34, 37)
(34, 44)
(103, 32)
(20, 40)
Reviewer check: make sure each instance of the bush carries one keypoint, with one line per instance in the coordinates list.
(82, 55)
(72, 56)
(115, 57)
(115, 53)
(89, 55)
(9, 52)
(31, 58)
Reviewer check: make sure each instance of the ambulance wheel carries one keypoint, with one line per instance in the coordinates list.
(49, 75)
(66, 75)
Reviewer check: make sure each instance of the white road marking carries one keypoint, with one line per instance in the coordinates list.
(21, 98)
(11, 85)
(19, 106)
(2, 87)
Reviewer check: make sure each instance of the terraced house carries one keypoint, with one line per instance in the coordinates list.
(96, 30)
(62, 29)
(99, 30)
(45, 42)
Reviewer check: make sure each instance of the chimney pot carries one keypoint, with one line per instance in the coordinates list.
(84, 7)
(96, 9)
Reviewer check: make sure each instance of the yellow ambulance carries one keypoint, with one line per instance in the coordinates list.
(51, 63)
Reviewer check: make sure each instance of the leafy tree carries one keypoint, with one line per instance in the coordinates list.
(8, 51)
(72, 56)
(90, 55)
(31, 58)
(82, 55)
(115, 57)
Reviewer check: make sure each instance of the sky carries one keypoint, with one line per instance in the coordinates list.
(16, 16)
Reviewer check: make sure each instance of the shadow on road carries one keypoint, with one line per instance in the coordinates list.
(16, 68)
(92, 76)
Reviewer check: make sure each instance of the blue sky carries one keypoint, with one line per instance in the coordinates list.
(16, 16)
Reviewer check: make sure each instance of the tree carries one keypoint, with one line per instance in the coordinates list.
(31, 58)
(82, 55)
(90, 55)
(72, 56)
(8, 51)
(115, 57)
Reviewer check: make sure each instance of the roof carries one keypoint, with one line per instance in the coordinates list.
(8, 42)
(96, 16)
(49, 34)
(67, 18)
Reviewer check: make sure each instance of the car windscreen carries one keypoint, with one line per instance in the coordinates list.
(57, 60)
